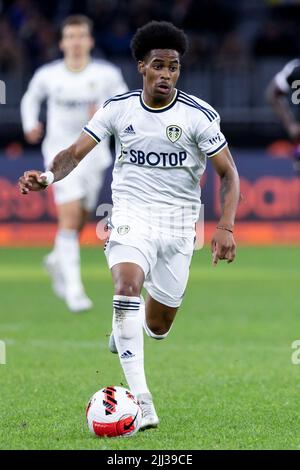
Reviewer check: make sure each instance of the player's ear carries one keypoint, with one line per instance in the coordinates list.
(92, 42)
(141, 67)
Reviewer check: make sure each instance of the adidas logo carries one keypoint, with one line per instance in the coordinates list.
(129, 130)
(127, 354)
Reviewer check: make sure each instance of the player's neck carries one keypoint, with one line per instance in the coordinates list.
(76, 64)
(157, 102)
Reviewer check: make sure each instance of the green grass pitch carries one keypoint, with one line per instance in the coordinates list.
(223, 379)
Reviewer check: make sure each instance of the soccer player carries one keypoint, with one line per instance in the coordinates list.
(163, 139)
(285, 82)
(74, 88)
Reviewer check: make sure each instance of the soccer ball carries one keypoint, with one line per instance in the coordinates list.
(112, 412)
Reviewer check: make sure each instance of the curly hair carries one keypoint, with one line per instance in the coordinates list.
(158, 35)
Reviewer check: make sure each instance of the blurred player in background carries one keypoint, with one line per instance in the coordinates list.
(286, 84)
(74, 88)
(163, 140)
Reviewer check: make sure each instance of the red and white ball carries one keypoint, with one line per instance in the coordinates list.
(113, 412)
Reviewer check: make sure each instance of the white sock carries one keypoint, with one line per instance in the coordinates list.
(55, 250)
(68, 254)
(128, 335)
(52, 257)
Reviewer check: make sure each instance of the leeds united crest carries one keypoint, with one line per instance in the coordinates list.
(173, 133)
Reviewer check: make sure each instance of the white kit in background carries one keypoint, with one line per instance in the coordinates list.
(72, 98)
(68, 109)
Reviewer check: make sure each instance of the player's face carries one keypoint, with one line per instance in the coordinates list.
(76, 41)
(160, 70)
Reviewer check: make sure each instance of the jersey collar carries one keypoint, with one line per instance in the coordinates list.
(78, 70)
(163, 108)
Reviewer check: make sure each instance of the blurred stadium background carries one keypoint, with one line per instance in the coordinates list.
(235, 49)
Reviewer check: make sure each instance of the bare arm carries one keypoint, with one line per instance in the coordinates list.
(223, 244)
(230, 188)
(278, 101)
(64, 162)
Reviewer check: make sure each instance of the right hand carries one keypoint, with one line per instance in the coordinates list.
(35, 135)
(32, 181)
(294, 131)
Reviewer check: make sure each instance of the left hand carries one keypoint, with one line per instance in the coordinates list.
(223, 246)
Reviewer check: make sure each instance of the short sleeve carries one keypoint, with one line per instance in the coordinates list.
(294, 76)
(211, 141)
(284, 78)
(100, 126)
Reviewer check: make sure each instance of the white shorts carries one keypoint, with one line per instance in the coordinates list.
(85, 181)
(164, 260)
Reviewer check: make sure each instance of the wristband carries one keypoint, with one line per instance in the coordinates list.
(220, 227)
(49, 177)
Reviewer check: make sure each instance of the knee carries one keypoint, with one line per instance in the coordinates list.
(129, 288)
(70, 224)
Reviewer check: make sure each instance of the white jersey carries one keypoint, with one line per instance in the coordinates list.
(160, 156)
(71, 98)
